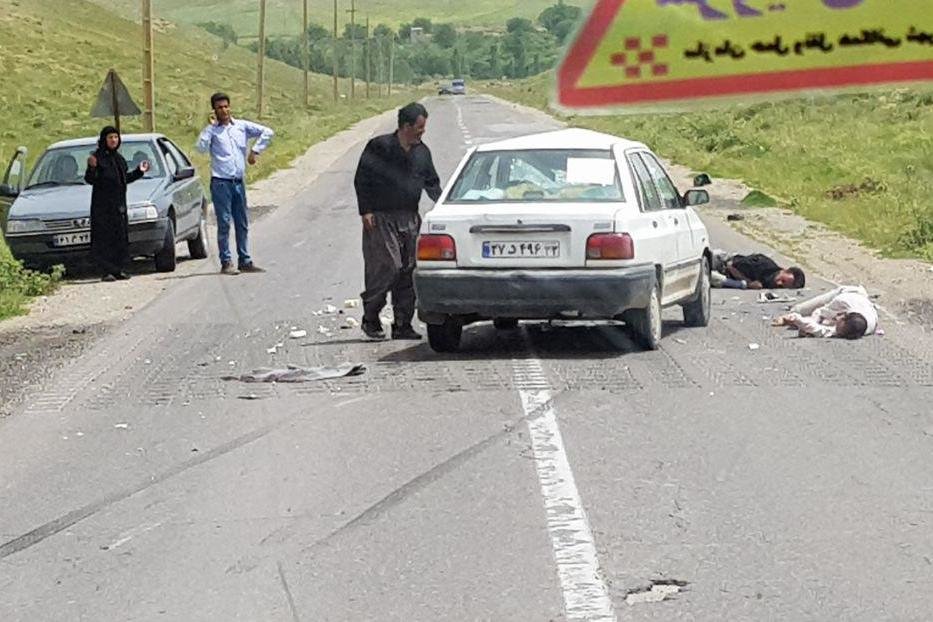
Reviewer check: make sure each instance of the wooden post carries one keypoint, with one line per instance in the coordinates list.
(391, 63)
(262, 57)
(305, 61)
(352, 13)
(148, 69)
(336, 88)
(368, 62)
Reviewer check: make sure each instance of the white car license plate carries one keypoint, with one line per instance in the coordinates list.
(72, 239)
(534, 249)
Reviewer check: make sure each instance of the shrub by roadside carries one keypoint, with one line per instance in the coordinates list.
(18, 284)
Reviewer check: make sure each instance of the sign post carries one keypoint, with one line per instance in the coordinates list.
(676, 54)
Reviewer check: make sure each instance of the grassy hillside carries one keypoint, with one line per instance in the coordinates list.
(54, 56)
(862, 164)
(284, 16)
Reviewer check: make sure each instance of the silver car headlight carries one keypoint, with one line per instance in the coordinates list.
(30, 225)
(141, 212)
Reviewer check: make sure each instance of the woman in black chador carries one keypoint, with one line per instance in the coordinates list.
(106, 171)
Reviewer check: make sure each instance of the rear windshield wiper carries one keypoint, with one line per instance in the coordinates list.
(42, 184)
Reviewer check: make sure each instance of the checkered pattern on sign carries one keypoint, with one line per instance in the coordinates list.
(640, 58)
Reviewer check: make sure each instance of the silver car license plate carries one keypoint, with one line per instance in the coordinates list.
(529, 249)
(72, 239)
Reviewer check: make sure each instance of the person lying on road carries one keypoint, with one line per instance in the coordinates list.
(845, 312)
(755, 271)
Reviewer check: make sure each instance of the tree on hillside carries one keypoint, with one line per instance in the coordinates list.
(316, 32)
(519, 25)
(445, 35)
(382, 31)
(404, 32)
(358, 29)
(424, 24)
(224, 31)
(559, 19)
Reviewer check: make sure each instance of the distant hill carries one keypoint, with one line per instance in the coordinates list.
(284, 16)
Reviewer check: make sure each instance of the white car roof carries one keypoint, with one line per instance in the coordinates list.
(92, 140)
(571, 138)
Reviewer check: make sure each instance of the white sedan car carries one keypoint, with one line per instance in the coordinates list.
(570, 224)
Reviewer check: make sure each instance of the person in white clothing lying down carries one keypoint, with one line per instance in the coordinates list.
(845, 312)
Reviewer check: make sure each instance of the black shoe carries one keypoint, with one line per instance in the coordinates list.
(405, 333)
(108, 278)
(123, 276)
(373, 330)
(251, 267)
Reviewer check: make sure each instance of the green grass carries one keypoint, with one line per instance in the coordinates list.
(54, 56)
(284, 16)
(860, 163)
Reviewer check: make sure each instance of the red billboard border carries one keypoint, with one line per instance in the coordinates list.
(604, 12)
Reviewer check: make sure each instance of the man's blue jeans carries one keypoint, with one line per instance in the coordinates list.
(229, 198)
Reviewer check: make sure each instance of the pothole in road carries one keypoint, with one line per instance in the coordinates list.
(659, 590)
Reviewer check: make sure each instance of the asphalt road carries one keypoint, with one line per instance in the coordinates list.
(550, 473)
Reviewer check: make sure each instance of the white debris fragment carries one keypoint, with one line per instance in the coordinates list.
(754, 346)
(122, 426)
(351, 303)
(298, 334)
(680, 341)
(330, 309)
(352, 322)
(323, 330)
(272, 350)
(656, 594)
(231, 363)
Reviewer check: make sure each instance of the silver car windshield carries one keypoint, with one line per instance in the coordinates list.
(65, 166)
(535, 176)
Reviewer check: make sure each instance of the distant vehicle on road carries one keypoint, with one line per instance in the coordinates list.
(49, 219)
(567, 224)
(456, 87)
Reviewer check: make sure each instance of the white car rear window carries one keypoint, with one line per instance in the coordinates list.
(535, 176)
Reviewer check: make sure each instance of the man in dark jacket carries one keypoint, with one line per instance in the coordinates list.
(755, 271)
(393, 171)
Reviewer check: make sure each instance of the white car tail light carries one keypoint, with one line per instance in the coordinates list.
(436, 248)
(610, 246)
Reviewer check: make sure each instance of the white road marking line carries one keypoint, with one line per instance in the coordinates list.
(132, 533)
(586, 596)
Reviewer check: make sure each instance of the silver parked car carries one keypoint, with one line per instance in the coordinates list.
(49, 218)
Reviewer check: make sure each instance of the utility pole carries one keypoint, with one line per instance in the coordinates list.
(380, 64)
(336, 89)
(304, 52)
(369, 64)
(391, 63)
(148, 69)
(352, 12)
(262, 56)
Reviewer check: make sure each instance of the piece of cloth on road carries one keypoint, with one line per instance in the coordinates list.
(817, 316)
(389, 253)
(294, 373)
(389, 179)
(109, 227)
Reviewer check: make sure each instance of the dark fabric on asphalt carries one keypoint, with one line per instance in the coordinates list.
(389, 179)
(109, 227)
(389, 254)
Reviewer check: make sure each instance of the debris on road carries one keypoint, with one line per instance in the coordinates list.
(769, 297)
(680, 341)
(298, 334)
(323, 330)
(735, 217)
(351, 322)
(122, 426)
(754, 346)
(251, 396)
(351, 304)
(658, 591)
(330, 310)
(294, 373)
(272, 350)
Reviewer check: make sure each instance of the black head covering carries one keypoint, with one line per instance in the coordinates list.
(102, 142)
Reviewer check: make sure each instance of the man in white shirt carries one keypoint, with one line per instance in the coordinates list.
(846, 313)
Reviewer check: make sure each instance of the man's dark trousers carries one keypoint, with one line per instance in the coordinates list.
(389, 253)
